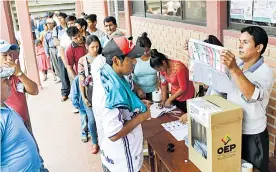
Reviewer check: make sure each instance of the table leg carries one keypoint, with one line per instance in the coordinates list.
(151, 158)
(157, 163)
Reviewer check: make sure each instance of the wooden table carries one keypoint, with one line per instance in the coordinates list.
(158, 139)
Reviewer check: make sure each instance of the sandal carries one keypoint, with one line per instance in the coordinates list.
(94, 149)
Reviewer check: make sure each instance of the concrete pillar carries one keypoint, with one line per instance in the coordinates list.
(79, 8)
(216, 16)
(7, 31)
(128, 13)
(26, 39)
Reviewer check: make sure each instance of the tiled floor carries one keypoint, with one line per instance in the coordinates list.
(57, 131)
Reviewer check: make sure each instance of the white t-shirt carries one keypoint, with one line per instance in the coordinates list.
(98, 33)
(125, 154)
(65, 41)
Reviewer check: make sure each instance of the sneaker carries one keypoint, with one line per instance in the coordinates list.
(84, 139)
(89, 136)
(94, 149)
(75, 110)
(58, 81)
(64, 98)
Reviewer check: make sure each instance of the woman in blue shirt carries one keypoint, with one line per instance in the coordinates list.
(144, 75)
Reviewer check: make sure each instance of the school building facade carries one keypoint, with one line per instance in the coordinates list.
(169, 29)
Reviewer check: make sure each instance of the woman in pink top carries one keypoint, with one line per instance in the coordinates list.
(43, 62)
(175, 73)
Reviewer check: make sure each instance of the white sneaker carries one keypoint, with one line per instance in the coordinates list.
(75, 110)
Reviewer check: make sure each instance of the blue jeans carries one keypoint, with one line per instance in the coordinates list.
(88, 121)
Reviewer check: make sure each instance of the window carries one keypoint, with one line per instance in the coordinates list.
(253, 12)
(177, 10)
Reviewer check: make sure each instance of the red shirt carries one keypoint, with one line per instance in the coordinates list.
(17, 100)
(73, 53)
(179, 79)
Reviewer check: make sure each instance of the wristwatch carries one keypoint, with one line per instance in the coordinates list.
(19, 74)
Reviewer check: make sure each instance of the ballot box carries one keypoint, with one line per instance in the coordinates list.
(215, 134)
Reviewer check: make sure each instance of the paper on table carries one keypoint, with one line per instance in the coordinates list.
(156, 111)
(177, 129)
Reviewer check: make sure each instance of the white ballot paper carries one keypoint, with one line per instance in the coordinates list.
(177, 129)
(206, 67)
(156, 111)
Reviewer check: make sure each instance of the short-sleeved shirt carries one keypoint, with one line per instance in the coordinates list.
(254, 110)
(17, 99)
(73, 53)
(58, 31)
(65, 41)
(18, 149)
(98, 33)
(145, 76)
(125, 154)
(179, 79)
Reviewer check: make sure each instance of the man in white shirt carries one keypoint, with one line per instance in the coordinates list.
(92, 23)
(119, 131)
(252, 82)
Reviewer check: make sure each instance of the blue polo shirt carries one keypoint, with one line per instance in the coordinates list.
(18, 149)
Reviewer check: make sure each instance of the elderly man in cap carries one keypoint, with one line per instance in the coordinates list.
(118, 111)
(51, 49)
(18, 148)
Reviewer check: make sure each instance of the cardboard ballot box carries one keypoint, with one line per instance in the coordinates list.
(215, 134)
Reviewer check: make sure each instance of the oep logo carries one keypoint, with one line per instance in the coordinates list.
(227, 147)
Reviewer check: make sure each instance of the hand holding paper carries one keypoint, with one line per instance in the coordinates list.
(229, 60)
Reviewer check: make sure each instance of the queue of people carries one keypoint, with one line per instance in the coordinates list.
(111, 81)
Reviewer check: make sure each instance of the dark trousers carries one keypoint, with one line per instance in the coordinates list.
(65, 83)
(255, 150)
(181, 105)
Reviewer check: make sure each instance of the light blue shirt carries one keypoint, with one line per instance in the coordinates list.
(145, 76)
(18, 149)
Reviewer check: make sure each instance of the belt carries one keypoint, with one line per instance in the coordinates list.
(52, 47)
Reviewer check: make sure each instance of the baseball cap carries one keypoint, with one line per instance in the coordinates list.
(6, 72)
(49, 20)
(121, 46)
(5, 46)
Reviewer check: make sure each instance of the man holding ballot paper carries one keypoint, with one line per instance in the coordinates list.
(250, 87)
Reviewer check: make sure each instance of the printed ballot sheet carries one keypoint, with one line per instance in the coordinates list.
(156, 111)
(177, 129)
(206, 67)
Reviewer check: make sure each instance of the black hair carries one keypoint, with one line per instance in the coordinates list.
(91, 17)
(72, 31)
(70, 18)
(143, 41)
(259, 35)
(73, 14)
(45, 24)
(213, 40)
(110, 19)
(109, 59)
(94, 38)
(50, 14)
(157, 58)
(83, 13)
(63, 15)
(82, 22)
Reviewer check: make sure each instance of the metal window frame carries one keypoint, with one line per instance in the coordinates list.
(171, 18)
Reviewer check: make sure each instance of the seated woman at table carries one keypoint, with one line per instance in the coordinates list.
(144, 75)
(175, 73)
